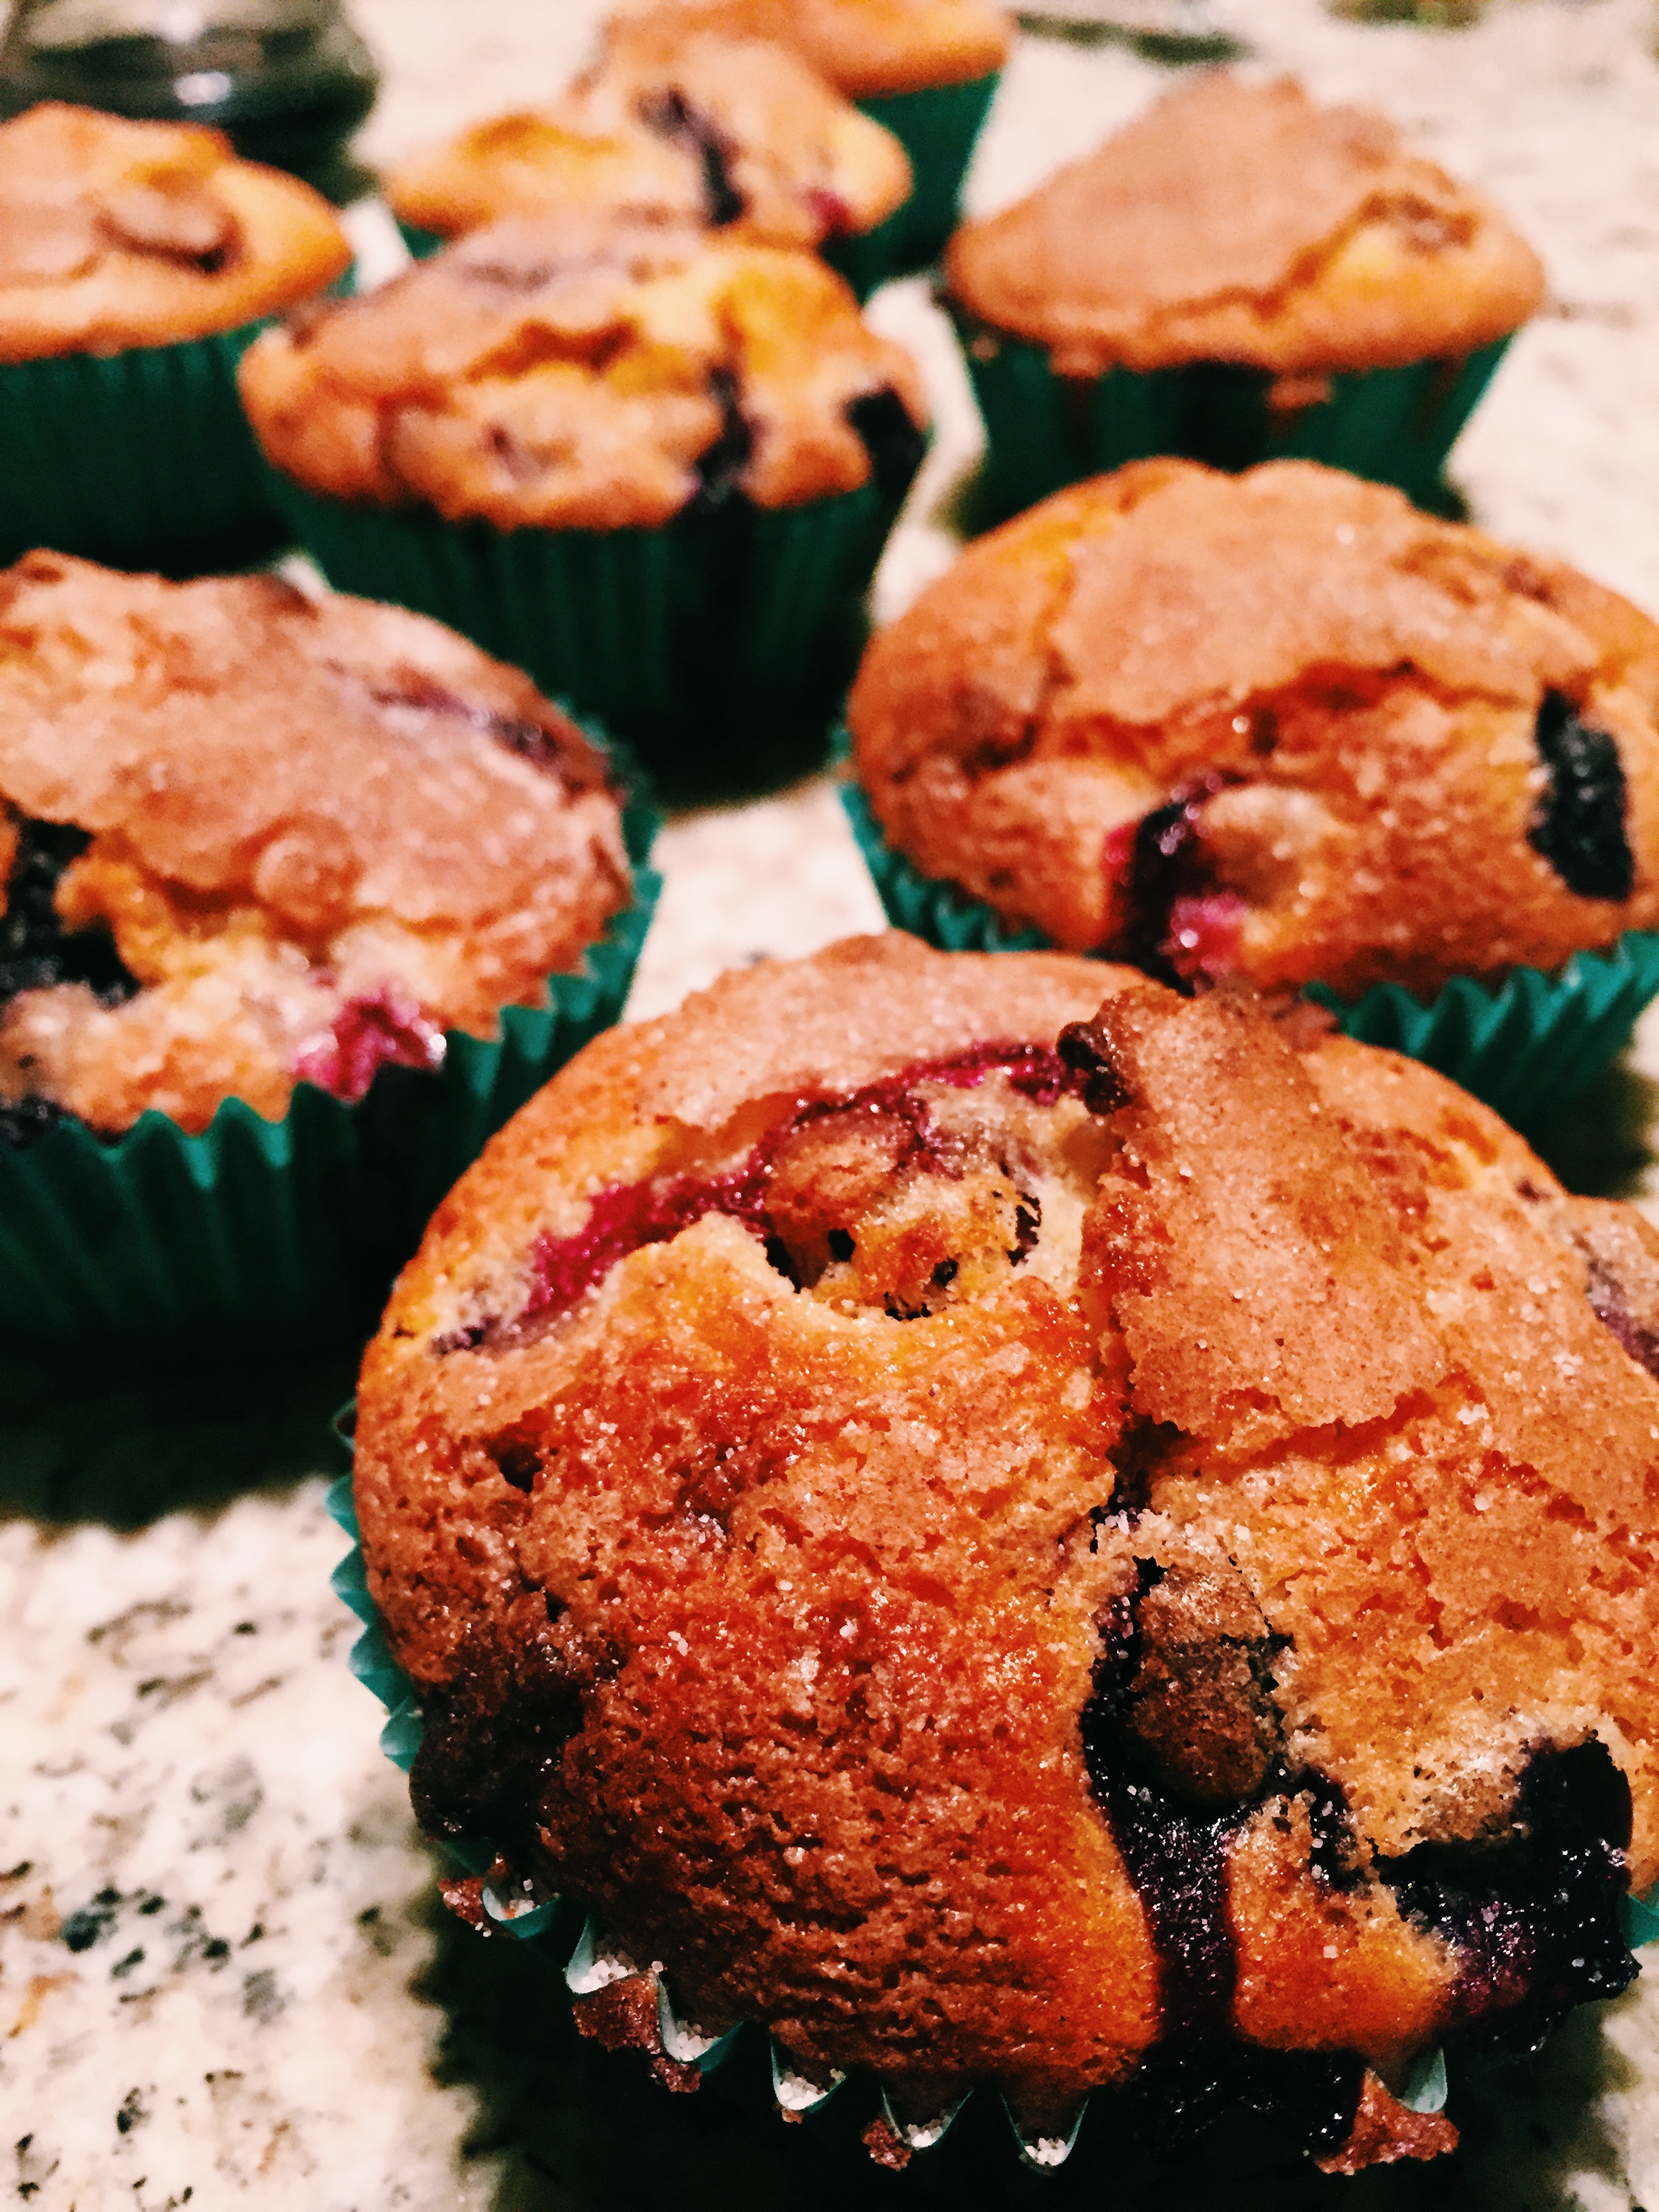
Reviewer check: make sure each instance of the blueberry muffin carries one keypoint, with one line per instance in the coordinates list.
(867, 48)
(1291, 277)
(580, 370)
(252, 838)
(1282, 726)
(736, 133)
(656, 468)
(115, 233)
(926, 68)
(133, 259)
(948, 1559)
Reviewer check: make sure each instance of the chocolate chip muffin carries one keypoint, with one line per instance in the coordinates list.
(115, 233)
(654, 467)
(736, 133)
(1240, 227)
(252, 838)
(1282, 726)
(949, 1560)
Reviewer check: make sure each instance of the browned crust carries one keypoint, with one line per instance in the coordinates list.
(820, 1590)
(1241, 222)
(290, 800)
(905, 46)
(92, 205)
(566, 371)
(1365, 677)
(805, 164)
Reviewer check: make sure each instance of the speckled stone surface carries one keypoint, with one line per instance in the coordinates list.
(224, 1978)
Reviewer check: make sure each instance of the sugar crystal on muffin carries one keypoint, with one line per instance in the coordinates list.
(1282, 725)
(250, 836)
(1024, 1531)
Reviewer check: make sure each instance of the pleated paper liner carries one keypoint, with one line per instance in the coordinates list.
(140, 460)
(1526, 1046)
(719, 647)
(977, 2126)
(939, 127)
(1395, 426)
(262, 1237)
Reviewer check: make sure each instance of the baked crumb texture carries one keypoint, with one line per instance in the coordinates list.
(736, 133)
(115, 235)
(250, 836)
(583, 370)
(863, 47)
(1240, 222)
(1031, 1542)
(1282, 726)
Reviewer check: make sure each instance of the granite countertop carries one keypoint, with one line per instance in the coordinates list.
(224, 1977)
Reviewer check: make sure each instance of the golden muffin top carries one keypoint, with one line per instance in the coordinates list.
(115, 235)
(1243, 222)
(577, 370)
(1010, 1538)
(243, 828)
(736, 133)
(1282, 724)
(864, 47)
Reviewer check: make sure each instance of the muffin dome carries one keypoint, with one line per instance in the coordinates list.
(864, 47)
(579, 370)
(1028, 1542)
(1282, 725)
(1240, 222)
(250, 836)
(115, 235)
(736, 133)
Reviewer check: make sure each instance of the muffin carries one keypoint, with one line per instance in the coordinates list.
(252, 841)
(852, 1480)
(926, 68)
(1282, 726)
(654, 468)
(134, 258)
(1239, 274)
(736, 133)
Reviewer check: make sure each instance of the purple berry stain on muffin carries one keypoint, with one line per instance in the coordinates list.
(1579, 825)
(887, 1119)
(382, 1029)
(673, 117)
(1181, 926)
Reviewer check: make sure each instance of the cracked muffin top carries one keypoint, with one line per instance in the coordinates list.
(1241, 223)
(1282, 725)
(736, 133)
(1030, 1542)
(863, 47)
(247, 836)
(115, 235)
(583, 370)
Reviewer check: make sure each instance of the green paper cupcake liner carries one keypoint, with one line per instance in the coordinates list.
(1395, 426)
(871, 259)
(261, 1238)
(719, 647)
(939, 127)
(1526, 1046)
(421, 244)
(140, 460)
